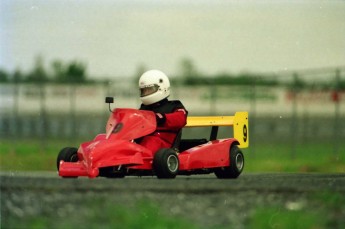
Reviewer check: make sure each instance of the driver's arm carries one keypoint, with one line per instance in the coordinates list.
(174, 120)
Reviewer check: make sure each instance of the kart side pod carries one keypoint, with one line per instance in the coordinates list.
(239, 122)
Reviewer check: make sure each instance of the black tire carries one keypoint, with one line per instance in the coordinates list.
(68, 154)
(236, 165)
(166, 164)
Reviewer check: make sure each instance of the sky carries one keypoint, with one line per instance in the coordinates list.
(115, 38)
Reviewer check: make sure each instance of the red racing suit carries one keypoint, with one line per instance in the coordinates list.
(171, 117)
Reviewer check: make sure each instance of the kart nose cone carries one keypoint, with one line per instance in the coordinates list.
(93, 172)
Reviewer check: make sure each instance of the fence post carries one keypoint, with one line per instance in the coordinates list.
(43, 115)
(72, 99)
(252, 114)
(337, 122)
(15, 131)
(294, 126)
(213, 98)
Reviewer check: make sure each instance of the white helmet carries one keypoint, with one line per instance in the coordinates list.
(154, 86)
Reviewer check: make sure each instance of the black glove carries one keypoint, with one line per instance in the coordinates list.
(160, 118)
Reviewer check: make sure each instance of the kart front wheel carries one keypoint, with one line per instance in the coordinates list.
(68, 154)
(166, 164)
(236, 165)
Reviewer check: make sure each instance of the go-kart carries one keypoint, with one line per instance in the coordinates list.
(115, 153)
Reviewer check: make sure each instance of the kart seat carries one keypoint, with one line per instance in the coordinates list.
(190, 143)
(180, 145)
(176, 144)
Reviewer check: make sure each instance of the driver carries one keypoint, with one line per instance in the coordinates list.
(171, 115)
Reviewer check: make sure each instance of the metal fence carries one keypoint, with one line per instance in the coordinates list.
(288, 112)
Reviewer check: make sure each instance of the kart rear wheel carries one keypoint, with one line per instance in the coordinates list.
(68, 154)
(236, 165)
(166, 164)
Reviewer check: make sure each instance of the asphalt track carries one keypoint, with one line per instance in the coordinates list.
(204, 200)
(277, 182)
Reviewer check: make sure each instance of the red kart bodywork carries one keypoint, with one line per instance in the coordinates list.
(117, 148)
(212, 154)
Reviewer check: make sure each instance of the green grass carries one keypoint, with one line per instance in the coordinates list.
(308, 157)
(29, 155)
(325, 213)
(100, 213)
(322, 211)
(276, 217)
(35, 155)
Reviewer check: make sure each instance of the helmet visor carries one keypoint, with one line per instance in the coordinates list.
(145, 91)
